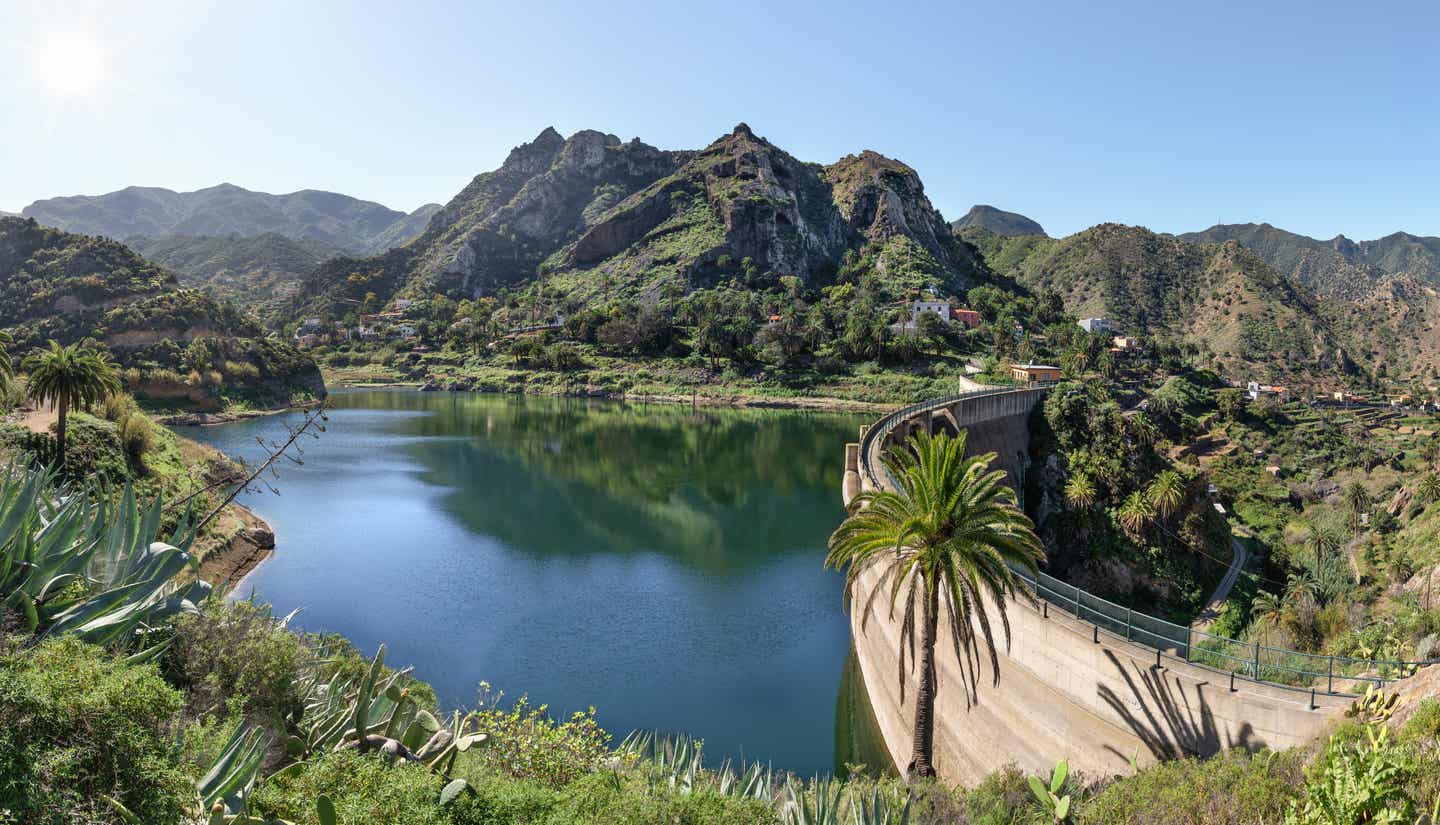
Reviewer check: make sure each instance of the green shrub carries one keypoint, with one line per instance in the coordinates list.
(364, 788)
(525, 743)
(1423, 726)
(236, 651)
(1234, 787)
(76, 724)
(1002, 798)
(599, 798)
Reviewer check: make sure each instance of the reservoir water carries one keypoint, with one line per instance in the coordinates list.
(661, 563)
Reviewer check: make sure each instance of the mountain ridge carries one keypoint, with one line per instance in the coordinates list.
(596, 217)
(226, 209)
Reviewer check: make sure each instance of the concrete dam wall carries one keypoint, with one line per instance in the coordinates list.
(1068, 689)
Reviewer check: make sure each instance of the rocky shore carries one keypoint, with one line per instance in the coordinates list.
(246, 541)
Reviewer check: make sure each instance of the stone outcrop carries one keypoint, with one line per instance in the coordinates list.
(629, 217)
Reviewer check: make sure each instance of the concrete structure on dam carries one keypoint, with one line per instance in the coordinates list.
(1094, 694)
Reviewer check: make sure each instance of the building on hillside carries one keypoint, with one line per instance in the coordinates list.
(1255, 389)
(1125, 343)
(1097, 326)
(1343, 397)
(369, 320)
(933, 306)
(402, 304)
(367, 334)
(311, 326)
(310, 341)
(1033, 373)
(404, 331)
(969, 317)
(920, 306)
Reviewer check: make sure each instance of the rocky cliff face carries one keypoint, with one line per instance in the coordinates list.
(499, 229)
(601, 217)
(740, 204)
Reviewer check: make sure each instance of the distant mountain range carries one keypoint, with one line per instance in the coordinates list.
(250, 246)
(591, 218)
(258, 271)
(1338, 267)
(1006, 224)
(597, 217)
(226, 210)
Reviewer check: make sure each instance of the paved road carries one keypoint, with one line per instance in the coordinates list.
(1238, 555)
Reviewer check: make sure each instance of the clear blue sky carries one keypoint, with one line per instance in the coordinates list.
(1318, 117)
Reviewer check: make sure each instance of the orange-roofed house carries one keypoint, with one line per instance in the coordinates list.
(969, 317)
(1032, 373)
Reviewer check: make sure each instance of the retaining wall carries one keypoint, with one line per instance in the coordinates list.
(1066, 690)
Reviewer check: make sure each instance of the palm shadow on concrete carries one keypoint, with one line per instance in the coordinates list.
(1168, 722)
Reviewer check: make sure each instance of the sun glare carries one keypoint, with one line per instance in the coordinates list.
(68, 64)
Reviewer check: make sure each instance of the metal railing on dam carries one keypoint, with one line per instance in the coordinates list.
(1292, 670)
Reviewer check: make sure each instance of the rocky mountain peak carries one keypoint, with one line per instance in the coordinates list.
(1005, 224)
(1344, 246)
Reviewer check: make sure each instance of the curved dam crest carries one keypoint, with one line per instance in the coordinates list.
(1067, 689)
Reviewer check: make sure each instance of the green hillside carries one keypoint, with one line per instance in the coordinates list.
(177, 346)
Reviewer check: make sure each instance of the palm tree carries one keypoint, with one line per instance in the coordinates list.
(1357, 498)
(1136, 512)
(1142, 429)
(1428, 490)
(1166, 492)
(1080, 491)
(69, 377)
(7, 369)
(950, 537)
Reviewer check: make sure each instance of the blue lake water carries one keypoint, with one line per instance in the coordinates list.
(661, 563)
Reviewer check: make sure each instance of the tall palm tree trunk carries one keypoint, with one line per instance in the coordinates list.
(62, 408)
(922, 751)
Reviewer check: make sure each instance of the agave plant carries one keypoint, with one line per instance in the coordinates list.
(373, 712)
(821, 808)
(221, 794)
(677, 762)
(879, 810)
(80, 564)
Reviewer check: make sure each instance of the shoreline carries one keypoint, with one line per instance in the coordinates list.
(230, 563)
(814, 403)
(207, 419)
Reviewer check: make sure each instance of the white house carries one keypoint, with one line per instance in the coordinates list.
(1098, 326)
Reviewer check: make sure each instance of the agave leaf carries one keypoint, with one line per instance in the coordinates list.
(1057, 779)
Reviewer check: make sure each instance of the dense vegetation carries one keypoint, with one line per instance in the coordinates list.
(87, 734)
(1119, 517)
(175, 346)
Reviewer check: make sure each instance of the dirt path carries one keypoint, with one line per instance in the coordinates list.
(36, 420)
